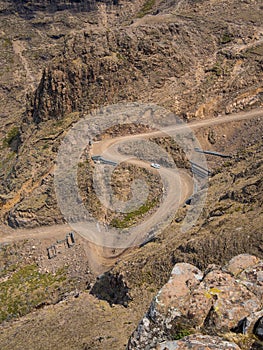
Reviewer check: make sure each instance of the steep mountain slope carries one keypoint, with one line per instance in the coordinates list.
(189, 57)
(231, 224)
(61, 60)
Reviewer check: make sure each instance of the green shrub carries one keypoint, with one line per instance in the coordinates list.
(217, 70)
(25, 289)
(226, 38)
(11, 135)
(147, 6)
(7, 43)
(181, 334)
(129, 218)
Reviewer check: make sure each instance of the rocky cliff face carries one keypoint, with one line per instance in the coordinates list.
(189, 57)
(27, 8)
(59, 60)
(196, 307)
(196, 69)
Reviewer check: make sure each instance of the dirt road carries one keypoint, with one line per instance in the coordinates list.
(181, 179)
(178, 184)
(101, 146)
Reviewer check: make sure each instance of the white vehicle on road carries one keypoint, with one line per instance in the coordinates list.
(155, 165)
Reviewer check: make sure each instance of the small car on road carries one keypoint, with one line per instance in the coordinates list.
(155, 165)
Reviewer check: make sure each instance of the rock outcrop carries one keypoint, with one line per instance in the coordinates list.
(196, 342)
(192, 59)
(194, 308)
(27, 7)
(152, 59)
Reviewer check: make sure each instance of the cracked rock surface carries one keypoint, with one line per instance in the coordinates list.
(225, 301)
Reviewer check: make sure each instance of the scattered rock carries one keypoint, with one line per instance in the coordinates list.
(212, 137)
(198, 342)
(241, 262)
(252, 278)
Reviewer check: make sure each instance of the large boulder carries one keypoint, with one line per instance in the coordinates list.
(219, 301)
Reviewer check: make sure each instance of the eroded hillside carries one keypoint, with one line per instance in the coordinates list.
(60, 61)
(195, 58)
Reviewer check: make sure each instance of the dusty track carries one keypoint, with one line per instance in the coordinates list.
(101, 146)
(102, 258)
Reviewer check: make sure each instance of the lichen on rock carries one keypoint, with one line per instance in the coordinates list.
(216, 303)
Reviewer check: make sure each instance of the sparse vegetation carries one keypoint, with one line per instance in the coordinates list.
(26, 289)
(11, 136)
(147, 6)
(7, 43)
(120, 56)
(226, 38)
(95, 60)
(217, 69)
(33, 203)
(129, 218)
(181, 334)
(257, 50)
(227, 164)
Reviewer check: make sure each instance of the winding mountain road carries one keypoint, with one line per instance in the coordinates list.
(108, 147)
(101, 146)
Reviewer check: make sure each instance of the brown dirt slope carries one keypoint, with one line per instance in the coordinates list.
(198, 59)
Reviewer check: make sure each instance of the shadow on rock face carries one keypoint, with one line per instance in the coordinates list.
(258, 328)
(111, 288)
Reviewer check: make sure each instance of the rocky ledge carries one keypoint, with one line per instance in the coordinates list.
(220, 308)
